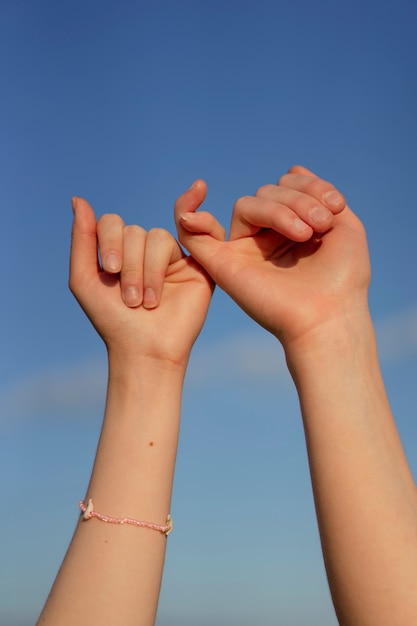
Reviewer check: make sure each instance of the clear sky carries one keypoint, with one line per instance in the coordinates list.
(126, 103)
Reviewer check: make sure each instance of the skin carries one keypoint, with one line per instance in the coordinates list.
(297, 262)
(309, 288)
(112, 574)
(148, 301)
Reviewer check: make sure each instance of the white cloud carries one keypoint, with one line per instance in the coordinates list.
(247, 358)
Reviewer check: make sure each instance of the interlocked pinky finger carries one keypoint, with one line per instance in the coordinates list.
(131, 275)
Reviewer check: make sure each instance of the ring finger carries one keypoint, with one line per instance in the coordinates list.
(131, 275)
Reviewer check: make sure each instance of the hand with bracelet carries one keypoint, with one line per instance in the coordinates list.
(297, 262)
(307, 283)
(148, 302)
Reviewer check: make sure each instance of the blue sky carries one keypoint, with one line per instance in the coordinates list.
(126, 104)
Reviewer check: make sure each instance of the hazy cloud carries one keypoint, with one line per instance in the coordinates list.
(249, 358)
(254, 357)
(397, 335)
(74, 388)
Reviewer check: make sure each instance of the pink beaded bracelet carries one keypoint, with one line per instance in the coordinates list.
(88, 513)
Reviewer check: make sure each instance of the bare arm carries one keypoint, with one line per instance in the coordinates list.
(364, 493)
(311, 293)
(112, 573)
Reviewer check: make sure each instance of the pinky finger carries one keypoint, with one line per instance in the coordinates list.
(203, 223)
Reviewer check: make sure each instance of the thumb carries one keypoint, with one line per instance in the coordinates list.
(83, 258)
(200, 233)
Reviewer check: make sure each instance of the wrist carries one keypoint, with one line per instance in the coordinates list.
(126, 364)
(344, 337)
(140, 386)
(137, 449)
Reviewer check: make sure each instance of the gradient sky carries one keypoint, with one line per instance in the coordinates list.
(126, 103)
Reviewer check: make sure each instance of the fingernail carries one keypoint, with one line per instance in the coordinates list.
(131, 296)
(73, 203)
(300, 226)
(112, 263)
(333, 199)
(187, 217)
(320, 215)
(149, 298)
(192, 186)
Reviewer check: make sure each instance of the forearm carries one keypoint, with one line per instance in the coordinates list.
(365, 496)
(132, 477)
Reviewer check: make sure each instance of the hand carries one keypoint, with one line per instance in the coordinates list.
(296, 256)
(147, 298)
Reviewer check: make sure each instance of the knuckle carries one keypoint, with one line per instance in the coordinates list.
(76, 284)
(109, 220)
(130, 274)
(302, 203)
(283, 179)
(159, 238)
(132, 230)
(72, 284)
(316, 186)
(264, 191)
(241, 203)
(160, 235)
